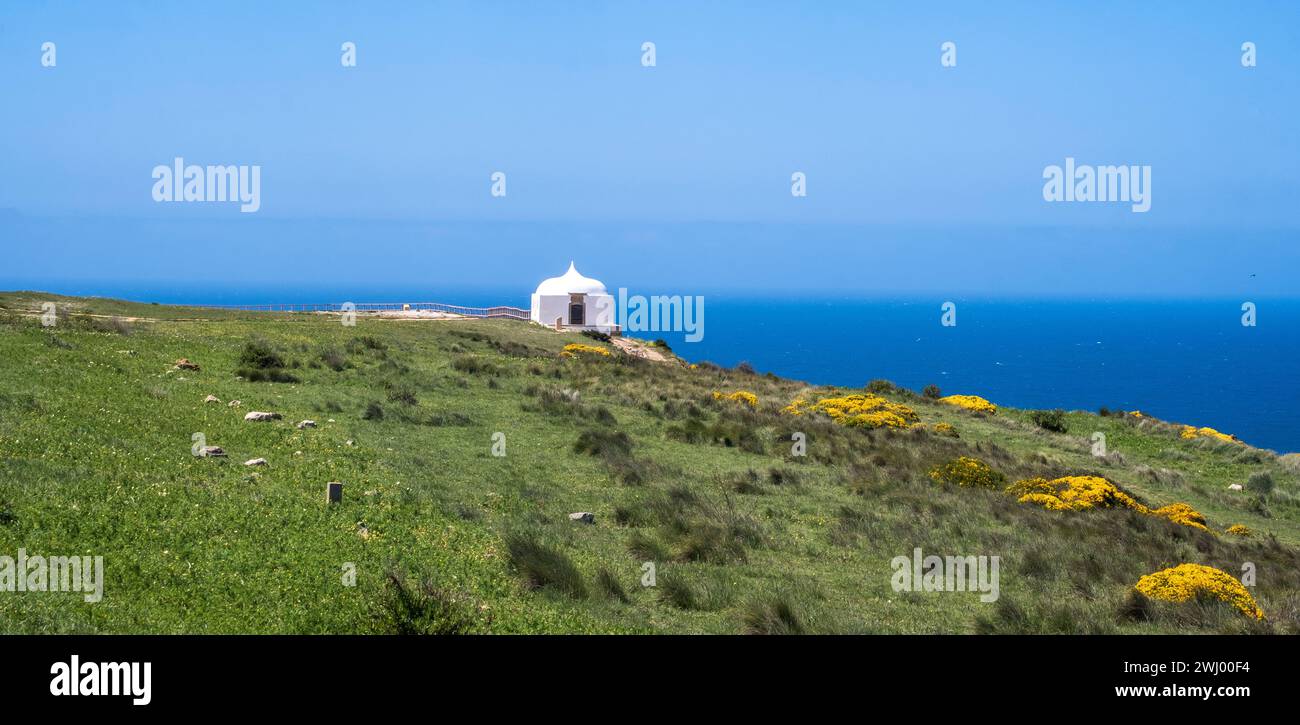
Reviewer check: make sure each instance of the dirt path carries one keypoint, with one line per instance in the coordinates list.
(640, 348)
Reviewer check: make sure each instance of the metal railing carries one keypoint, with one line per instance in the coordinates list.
(513, 313)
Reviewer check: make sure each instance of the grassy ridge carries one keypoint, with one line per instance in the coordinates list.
(95, 458)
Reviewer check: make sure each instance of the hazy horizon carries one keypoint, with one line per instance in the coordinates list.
(677, 177)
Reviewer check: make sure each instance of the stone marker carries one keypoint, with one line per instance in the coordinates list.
(258, 415)
(585, 517)
(334, 492)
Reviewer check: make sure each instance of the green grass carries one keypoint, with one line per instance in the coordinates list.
(95, 458)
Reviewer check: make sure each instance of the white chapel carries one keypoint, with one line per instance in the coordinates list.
(574, 302)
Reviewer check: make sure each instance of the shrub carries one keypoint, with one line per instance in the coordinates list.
(1078, 493)
(945, 429)
(858, 411)
(1239, 530)
(1260, 482)
(932, 392)
(596, 335)
(881, 386)
(1052, 420)
(662, 344)
(968, 472)
(259, 354)
(1072, 493)
(739, 396)
(259, 362)
(1187, 582)
(374, 411)
(573, 349)
(542, 566)
(970, 402)
(604, 444)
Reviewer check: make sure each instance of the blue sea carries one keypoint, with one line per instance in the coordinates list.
(1189, 362)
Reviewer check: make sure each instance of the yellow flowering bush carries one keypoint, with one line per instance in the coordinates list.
(1189, 432)
(945, 429)
(874, 419)
(970, 402)
(798, 406)
(1078, 493)
(858, 410)
(1181, 513)
(967, 472)
(1186, 582)
(1239, 530)
(1074, 493)
(573, 348)
(740, 396)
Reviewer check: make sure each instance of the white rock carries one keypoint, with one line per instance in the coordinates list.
(258, 415)
(255, 462)
(585, 517)
(1234, 487)
(307, 424)
(212, 399)
(234, 403)
(213, 452)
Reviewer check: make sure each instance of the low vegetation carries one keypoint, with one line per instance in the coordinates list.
(721, 500)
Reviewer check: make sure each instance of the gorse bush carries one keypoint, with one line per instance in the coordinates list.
(1078, 493)
(932, 392)
(1187, 582)
(972, 403)
(968, 472)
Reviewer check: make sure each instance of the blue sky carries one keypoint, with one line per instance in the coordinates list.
(920, 178)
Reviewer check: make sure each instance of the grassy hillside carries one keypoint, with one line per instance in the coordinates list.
(97, 425)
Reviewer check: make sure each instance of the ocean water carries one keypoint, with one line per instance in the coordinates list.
(1188, 361)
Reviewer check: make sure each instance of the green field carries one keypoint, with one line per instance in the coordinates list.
(97, 428)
